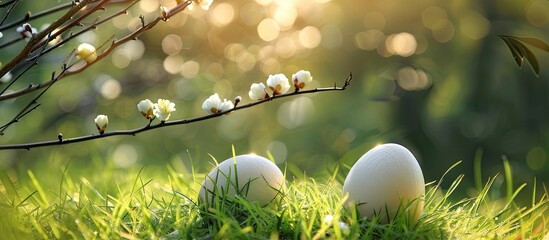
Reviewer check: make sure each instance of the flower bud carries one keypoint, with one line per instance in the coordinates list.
(163, 109)
(301, 78)
(257, 91)
(237, 100)
(278, 83)
(101, 122)
(146, 108)
(86, 52)
(164, 12)
(26, 30)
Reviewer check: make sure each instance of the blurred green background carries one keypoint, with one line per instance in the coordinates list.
(430, 75)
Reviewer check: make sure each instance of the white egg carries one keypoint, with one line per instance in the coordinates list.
(386, 179)
(259, 179)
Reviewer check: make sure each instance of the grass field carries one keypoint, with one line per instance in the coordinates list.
(161, 204)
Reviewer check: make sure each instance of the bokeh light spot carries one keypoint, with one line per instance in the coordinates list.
(444, 34)
(538, 13)
(172, 64)
(403, 44)
(222, 14)
(149, 5)
(268, 29)
(309, 37)
(135, 48)
(171, 44)
(189, 69)
(285, 47)
(368, 40)
(245, 61)
(295, 113)
(121, 58)
(124, 156)
(474, 25)
(110, 89)
(285, 15)
(434, 18)
(536, 158)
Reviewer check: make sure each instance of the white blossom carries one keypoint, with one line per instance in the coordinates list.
(146, 107)
(101, 122)
(214, 104)
(278, 83)
(257, 91)
(301, 78)
(86, 52)
(163, 109)
(26, 30)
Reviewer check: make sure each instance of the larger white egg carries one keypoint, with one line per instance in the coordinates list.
(252, 176)
(386, 180)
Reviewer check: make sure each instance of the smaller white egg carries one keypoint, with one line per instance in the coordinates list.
(385, 180)
(259, 179)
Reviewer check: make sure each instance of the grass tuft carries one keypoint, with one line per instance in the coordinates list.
(141, 204)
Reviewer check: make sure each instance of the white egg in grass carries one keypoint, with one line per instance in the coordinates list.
(386, 180)
(252, 176)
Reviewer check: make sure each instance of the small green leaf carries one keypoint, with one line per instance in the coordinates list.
(528, 55)
(538, 43)
(517, 55)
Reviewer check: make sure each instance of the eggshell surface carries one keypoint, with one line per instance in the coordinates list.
(258, 179)
(384, 179)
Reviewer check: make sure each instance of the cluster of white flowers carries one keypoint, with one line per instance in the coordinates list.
(279, 84)
(161, 110)
(214, 104)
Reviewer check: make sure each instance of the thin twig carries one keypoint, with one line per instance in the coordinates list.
(14, 3)
(3, 5)
(28, 16)
(148, 127)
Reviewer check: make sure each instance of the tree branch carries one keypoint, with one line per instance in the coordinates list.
(34, 42)
(115, 44)
(148, 127)
(29, 16)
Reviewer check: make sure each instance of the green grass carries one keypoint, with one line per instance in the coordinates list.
(146, 204)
